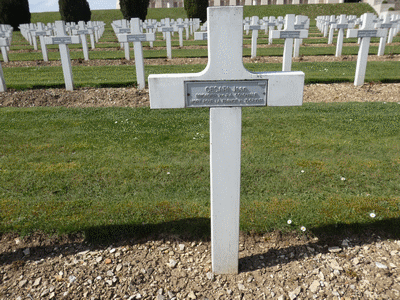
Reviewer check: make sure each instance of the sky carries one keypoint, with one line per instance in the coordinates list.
(52, 5)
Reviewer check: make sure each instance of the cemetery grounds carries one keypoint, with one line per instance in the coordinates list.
(358, 259)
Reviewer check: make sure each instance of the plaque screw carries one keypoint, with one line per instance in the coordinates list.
(188, 94)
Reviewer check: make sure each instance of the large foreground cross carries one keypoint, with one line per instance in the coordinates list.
(225, 86)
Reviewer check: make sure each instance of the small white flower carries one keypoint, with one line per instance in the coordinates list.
(303, 228)
(168, 173)
(342, 178)
(372, 215)
(116, 122)
(289, 222)
(302, 171)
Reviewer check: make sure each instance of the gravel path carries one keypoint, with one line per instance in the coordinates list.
(272, 266)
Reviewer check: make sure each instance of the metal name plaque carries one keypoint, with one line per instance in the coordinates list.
(62, 40)
(366, 33)
(342, 26)
(230, 93)
(136, 38)
(167, 29)
(85, 31)
(124, 30)
(385, 26)
(298, 27)
(254, 27)
(40, 33)
(290, 34)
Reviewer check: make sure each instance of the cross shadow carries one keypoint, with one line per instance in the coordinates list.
(323, 238)
(42, 246)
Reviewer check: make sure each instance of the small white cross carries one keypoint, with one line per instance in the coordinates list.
(137, 37)
(225, 86)
(62, 40)
(366, 31)
(289, 33)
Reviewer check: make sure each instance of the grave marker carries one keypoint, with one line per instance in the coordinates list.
(62, 40)
(225, 86)
(137, 37)
(385, 25)
(41, 32)
(254, 27)
(167, 29)
(365, 32)
(341, 25)
(289, 33)
(82, 31)
(4, 42)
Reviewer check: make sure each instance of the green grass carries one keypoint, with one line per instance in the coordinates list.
(117, 76)
(103, 170)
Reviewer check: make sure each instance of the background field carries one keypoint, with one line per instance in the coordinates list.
(122, 171)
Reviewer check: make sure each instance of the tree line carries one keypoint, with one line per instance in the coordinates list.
(16, 12)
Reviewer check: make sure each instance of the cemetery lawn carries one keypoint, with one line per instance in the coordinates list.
(122, 171)
(125, 75)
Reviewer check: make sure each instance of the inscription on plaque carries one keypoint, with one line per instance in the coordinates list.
(366, 33)
(136, 38)
(386, 25)
(62, 40)
(226, 93)
(167, 29)
(289, 34)
(342, 26)
(124, 30)
(82, 32)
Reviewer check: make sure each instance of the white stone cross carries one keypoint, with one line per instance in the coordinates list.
(254, 27)
(385, 25)
(341, 25)
(7, 35)
(302, 22)
(332, 21)
(82, 32)
(225, 86)
(396, 26)
(180, 26)
(365, 32)
(289, 33)
(41, 32)
(271, 25)
(167, 29)
(137, 37)
(4, 42)
(62, 40)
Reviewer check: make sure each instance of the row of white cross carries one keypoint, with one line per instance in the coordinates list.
(94, 29)
(295, 29)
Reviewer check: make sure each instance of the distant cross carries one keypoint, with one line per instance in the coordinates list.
(62, 40)
(137, 37)
(167, 29)
(254, 27)
(41, 32)
(341, 25)
(4, 42)
(302, 22)
(82, 31)
(225, 86)
(385, 25)
(365, 32)
(289, 33)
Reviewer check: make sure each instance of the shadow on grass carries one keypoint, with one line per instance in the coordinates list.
(322, 238)
(187, 229)
(43, 245)
(276, 245)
